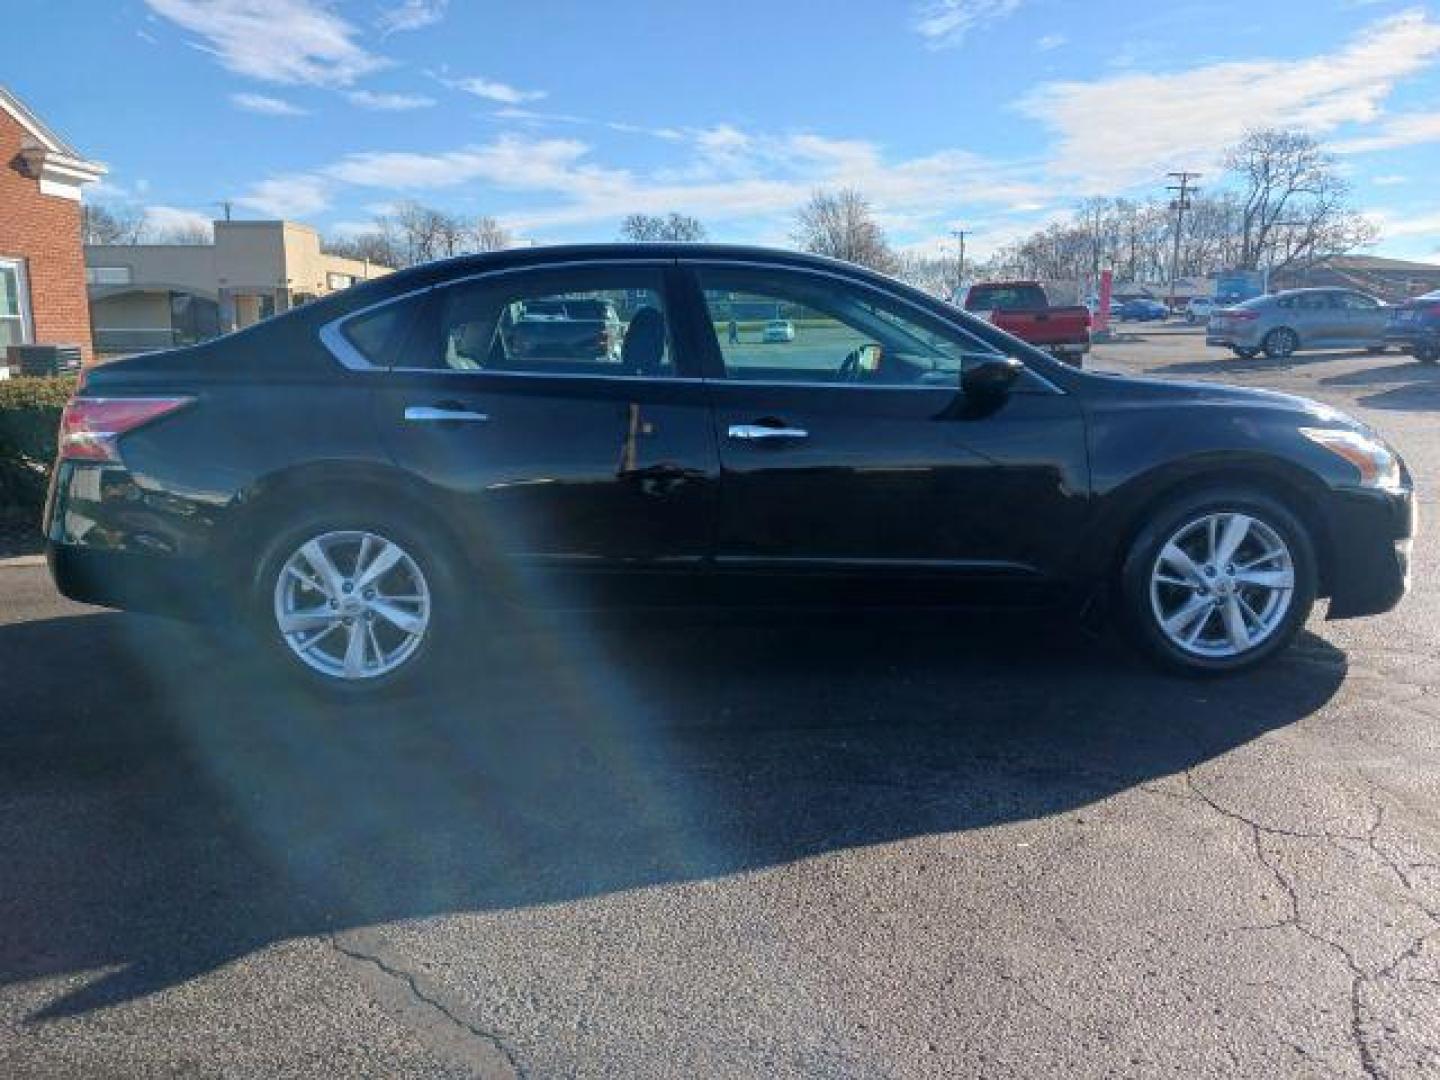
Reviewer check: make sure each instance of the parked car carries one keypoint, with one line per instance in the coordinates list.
(1284, 323)
(1143, 310)
(562, 329)
(1199, 309)
(779, 330)
(399, 505)
(1023, 308)
(1414, 327)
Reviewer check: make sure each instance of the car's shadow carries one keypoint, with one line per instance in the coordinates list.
(1411, 385)
(168, 809)
(1229, 364)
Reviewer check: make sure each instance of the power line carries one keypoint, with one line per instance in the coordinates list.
(1179, 204)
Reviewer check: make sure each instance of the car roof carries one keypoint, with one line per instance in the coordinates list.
(443, 270)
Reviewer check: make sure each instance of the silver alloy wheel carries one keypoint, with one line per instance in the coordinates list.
(1283, 343)
(352, 604)
(1222, 585)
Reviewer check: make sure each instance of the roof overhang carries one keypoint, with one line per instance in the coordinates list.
(46, 157)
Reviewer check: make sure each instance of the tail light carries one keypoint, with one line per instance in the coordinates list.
(90, 428)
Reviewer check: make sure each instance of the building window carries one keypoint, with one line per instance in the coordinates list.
(336, 281)
(107, 275)
(14, 304)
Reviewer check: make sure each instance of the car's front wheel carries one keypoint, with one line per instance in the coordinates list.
(354, 603)
(1218, 581)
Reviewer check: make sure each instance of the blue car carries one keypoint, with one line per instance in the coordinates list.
(1415, 327)
(1143, 311)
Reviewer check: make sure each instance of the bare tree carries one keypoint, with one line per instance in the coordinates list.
(842, 225)
(372, 247)
(107, 225)
(487, 234)
(653, 227)
(1293, 201)
(197, 234)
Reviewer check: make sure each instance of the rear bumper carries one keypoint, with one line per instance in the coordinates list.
(1371, 533)
(111, 541)
(154, 584)
(1228, 339)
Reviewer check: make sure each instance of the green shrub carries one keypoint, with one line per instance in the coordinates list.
(29, 426)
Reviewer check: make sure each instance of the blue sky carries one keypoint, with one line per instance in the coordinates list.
(561, 116)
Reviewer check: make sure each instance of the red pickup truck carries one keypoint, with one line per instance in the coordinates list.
(1022, 308)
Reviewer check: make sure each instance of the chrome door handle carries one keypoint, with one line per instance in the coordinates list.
(422, 413)
(760, 431)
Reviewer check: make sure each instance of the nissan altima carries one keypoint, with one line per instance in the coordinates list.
(371, 482)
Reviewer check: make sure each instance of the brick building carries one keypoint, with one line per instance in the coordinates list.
(42, 264)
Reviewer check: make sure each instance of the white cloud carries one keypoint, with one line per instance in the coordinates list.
(946, 22)
(281, 41)
(1050, 41)
(493, 90)
(370, 99)
(758, 176)
(1129, 128)
(411, 15)
(1410, 129)
(1390, 180)
(295, 196)
(266, 105)
(160, 220)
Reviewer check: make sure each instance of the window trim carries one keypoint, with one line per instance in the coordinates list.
(332, 334)
(715, 363)
(22, 297)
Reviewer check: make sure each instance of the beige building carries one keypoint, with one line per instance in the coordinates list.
(152, 296)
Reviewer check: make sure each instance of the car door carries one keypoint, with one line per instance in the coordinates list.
(852, 448)
(554, 412)
(1365, 319)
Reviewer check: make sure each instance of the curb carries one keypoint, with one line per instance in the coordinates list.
(22, 560)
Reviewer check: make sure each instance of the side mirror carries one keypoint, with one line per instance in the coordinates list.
(991, 380)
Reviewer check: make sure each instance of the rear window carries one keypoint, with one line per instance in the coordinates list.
(1005, 297)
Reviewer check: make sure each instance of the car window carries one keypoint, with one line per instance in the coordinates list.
(1358, 302)
(842, 333)
(1005, 298)
(377, 333)
(1315, 301)
(589, 321)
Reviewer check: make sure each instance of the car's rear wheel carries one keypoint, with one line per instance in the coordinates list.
(1281, 343)
(355, 602)
(1219, 580)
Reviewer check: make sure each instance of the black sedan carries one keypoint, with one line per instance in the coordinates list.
(372, 481)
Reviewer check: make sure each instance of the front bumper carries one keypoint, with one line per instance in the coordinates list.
(1371, 535)
(1416, 337)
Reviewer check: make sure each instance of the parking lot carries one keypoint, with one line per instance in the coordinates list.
(939, 846)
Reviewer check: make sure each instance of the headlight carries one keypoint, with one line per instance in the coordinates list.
(1377, 463)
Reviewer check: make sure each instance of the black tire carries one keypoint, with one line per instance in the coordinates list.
(1281, 343)
(437, 561)
(1144, 552)
(1245, 354)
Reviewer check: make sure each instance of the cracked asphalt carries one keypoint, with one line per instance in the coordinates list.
(940, 846)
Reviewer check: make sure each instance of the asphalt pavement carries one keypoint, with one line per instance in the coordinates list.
(949, 846)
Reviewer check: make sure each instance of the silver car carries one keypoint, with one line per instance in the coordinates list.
(1286, 322)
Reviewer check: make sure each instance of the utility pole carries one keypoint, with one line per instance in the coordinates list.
(225, 204)
(1179, 204)
(959, 235)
